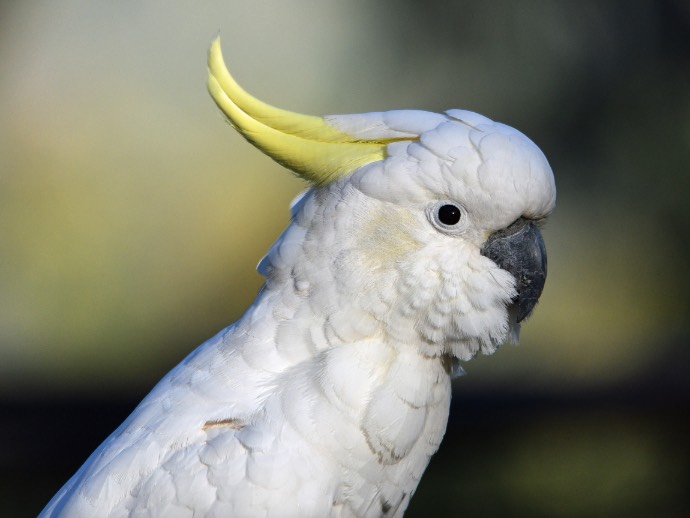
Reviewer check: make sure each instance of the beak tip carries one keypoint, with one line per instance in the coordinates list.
(525, 309)
(531, 286)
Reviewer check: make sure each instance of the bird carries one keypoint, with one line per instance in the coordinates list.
(416, 246)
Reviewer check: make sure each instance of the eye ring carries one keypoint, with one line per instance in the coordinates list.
(447, 216)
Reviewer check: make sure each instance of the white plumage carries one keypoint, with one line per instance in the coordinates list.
(332, 392)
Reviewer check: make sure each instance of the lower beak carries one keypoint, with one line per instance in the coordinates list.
(519, 249)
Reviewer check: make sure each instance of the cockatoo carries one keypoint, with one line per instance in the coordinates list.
(416, 247)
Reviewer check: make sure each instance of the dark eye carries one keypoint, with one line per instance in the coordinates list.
(448, 214)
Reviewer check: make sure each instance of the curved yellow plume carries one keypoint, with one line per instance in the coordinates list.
(307, 145)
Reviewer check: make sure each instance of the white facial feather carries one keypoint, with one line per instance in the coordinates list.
(369, 241)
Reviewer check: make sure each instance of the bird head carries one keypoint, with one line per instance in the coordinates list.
(421, 226)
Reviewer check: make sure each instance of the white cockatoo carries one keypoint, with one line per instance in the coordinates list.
(416, 247)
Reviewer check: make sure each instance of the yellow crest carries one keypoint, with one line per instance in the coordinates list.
(305, 144)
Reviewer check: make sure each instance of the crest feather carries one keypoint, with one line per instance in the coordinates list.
(305, 144)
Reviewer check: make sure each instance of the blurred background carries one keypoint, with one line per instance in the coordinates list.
(132, 218)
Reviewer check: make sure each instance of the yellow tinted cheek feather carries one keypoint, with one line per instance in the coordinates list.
(386, 239)
(307, 145)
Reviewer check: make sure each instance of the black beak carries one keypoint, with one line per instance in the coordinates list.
(519, 249)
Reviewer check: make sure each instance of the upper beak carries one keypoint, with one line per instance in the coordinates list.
(519, 249)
